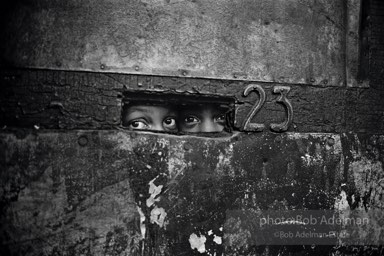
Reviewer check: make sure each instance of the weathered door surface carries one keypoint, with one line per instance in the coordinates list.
(298, 169)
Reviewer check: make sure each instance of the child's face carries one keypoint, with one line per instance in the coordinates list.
(208, 118)
(153, 118)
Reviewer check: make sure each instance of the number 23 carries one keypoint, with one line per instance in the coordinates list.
(283, 91)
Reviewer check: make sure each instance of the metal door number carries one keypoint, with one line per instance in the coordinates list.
(281, 127)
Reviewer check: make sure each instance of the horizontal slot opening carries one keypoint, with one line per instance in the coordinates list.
(178, 113)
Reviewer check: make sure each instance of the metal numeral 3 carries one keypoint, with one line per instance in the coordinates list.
(283, 90)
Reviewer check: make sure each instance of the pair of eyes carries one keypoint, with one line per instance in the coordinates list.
(194, 120)
(169, 124)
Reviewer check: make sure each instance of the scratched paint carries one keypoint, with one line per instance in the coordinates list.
(265, 40)
(123, 193)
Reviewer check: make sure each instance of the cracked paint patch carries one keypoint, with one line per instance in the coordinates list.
(368, 177)
(176, 163)
(158, 216)
(309, 160)
(142, 222)
(217, 239)
(124, 141)
(341, 202)
(224, 160)
(197, 242)
(154, 191)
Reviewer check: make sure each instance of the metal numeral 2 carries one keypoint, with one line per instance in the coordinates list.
(283, 90)
(247, 125)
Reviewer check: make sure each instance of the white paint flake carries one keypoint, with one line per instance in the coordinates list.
(153, 191)
(197, 242)
(142, 221)
(217, 239)
(158, 216)
(341, 202)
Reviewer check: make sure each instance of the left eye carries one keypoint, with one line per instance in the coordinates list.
(191, 120)
(169, 123)
(220, 119)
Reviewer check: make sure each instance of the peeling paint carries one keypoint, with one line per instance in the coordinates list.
(123, 142)
(197, 242)
(224, 161)
(154, 191)
(184, 192)
(176, 163)
(309, 160)
(217, 239)
(368, 175)
(158, 216)
(142, 222)
(341, 202)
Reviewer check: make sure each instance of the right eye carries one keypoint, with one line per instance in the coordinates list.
(138, 124)
(220, 119)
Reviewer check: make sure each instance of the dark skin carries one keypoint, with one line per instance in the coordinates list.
(150, 117)
(207, 118)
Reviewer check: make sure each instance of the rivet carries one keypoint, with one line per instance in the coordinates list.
(137, 68)
(83, 140)
(187, 146)
(373, 140)
(20, 134)
(102, 66)
(58, 63)
(312, 80)
(184, 73)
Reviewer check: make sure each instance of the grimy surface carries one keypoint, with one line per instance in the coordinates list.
(273, 41)
(102, 192)
(73, 181)
(86, 100)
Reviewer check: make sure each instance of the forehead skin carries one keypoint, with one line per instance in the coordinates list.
(154, 115)
(208, 109)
